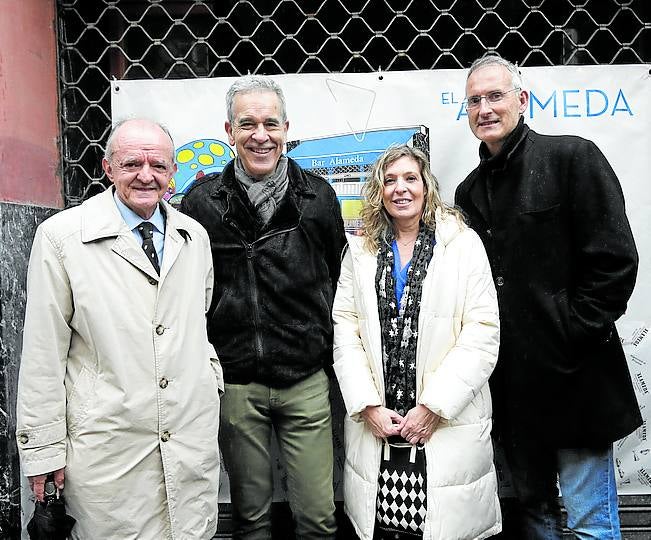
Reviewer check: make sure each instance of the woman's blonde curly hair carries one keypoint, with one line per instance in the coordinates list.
(377, 222)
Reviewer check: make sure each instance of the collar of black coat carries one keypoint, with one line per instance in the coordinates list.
(240, 214)
(511, 144)
(296, 176)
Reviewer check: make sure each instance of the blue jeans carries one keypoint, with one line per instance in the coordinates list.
(587, 481)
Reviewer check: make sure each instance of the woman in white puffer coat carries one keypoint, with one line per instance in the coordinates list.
(437, 398)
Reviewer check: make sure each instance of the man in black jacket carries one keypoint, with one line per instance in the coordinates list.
(277, 235)
(550, 212)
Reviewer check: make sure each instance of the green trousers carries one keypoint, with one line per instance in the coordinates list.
(300, 416)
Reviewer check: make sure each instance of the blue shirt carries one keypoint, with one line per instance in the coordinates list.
(399, 273)
(133, 220)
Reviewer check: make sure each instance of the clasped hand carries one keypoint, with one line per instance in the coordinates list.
(37, 483)
(415, 427)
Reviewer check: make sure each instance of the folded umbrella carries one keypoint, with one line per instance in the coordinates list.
(50, 521)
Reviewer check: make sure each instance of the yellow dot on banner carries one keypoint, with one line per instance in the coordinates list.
(224, 162)
(184, 156)
(206, 159)
(232, 154)
(351, 208)
(217, 149)
(198, 144)
(193, 165)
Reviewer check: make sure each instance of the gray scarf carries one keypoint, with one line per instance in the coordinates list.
(265, 194)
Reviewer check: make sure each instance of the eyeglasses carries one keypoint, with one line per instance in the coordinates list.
(492, 97)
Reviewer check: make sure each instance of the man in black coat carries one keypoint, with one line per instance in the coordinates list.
(276, 235)
(550, 212)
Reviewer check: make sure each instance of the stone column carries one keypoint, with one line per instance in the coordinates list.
(30, 190)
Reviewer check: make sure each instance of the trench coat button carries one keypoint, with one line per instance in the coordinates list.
(160, 329)
(163, 382)
(23, 438)
(165, 436)
(152, 281)
(499, 281)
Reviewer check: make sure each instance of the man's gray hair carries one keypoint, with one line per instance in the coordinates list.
(254, 83)
(109, 150)
(493, 60)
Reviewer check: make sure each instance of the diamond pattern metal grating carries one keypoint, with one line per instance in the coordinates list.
(169, 39)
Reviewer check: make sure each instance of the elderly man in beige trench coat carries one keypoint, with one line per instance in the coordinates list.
(119, 386)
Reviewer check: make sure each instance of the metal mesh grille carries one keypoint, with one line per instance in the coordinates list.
(168, 39)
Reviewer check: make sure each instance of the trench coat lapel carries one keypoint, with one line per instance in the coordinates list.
(127, 247)
(101, 219)
(175, 237)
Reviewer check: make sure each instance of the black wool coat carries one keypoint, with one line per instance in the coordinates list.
(270, 319)
(550, 212)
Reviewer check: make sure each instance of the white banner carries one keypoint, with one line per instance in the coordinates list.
(339, 123)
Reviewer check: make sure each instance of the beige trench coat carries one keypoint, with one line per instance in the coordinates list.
(458, 339)
(118, 382)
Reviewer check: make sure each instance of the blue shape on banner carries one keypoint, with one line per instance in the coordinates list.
(348, 150)
(195, 160)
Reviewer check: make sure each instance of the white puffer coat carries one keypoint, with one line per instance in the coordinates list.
(458, 331)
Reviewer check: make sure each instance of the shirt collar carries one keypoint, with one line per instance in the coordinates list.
(133, 220)
(511, 144)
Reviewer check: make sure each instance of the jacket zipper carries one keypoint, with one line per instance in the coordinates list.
(254, 298)
(254, 287)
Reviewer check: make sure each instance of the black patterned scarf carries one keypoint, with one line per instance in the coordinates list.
(399, 323)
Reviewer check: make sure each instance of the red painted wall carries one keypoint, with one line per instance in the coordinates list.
(28, 104)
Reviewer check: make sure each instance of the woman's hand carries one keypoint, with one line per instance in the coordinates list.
(418, 425)
(381, 421)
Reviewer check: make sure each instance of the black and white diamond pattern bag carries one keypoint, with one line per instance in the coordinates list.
(401, 502)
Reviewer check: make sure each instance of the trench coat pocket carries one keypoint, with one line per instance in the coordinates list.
(80, 398)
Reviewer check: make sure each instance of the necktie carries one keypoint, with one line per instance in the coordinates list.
(146, 230)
